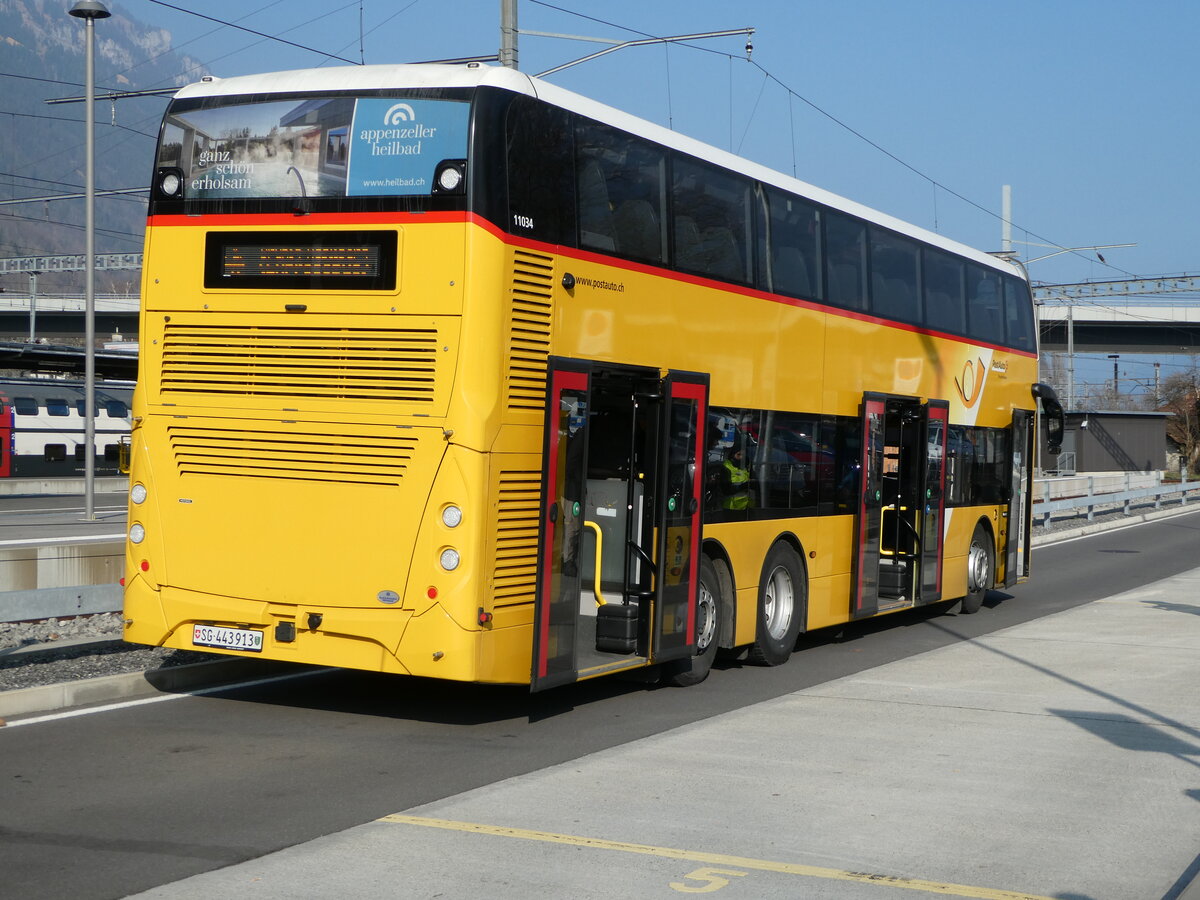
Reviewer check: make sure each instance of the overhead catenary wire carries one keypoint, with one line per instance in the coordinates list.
(270, 37)
(837, 121)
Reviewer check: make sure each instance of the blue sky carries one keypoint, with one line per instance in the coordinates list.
(1088, 109)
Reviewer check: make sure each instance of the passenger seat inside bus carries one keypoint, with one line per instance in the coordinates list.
(722, 258)
(637, 230)
(595, 210)
(688, 253)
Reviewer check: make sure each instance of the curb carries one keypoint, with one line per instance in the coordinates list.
(137, 685)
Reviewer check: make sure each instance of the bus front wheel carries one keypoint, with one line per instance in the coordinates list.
(981, 569)
(686, 672)
(782, 596)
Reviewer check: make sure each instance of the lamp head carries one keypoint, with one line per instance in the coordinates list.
(89, 9)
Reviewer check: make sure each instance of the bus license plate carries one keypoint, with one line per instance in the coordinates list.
(227, 638)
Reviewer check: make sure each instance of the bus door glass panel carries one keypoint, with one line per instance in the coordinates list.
(871, 503)
(933, 514)
(564, 475)
(1020, 501)
(678, 514)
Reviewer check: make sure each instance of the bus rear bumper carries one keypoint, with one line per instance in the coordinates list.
(392, 640)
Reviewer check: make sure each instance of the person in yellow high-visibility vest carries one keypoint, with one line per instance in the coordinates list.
(735, 482)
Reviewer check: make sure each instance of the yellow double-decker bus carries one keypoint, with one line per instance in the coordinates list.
(449, 372)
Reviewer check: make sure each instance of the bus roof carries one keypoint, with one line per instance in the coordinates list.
(432, 75)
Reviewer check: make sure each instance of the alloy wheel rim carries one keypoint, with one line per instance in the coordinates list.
(780, 601)
(979, 566)
(707, 626)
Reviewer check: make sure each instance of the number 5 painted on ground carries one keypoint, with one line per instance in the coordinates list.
(712, 876)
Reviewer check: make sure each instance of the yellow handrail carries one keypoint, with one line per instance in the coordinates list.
(600, 601)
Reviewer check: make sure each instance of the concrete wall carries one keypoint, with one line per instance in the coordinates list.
(67, 579)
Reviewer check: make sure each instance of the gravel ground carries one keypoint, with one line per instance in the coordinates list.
(58, 650)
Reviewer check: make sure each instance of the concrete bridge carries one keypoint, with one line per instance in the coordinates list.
(1135, 315)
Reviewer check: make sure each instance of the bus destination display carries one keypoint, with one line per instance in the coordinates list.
(309, 262)
(300, 260)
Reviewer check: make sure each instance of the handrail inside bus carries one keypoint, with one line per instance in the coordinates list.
(600, 601)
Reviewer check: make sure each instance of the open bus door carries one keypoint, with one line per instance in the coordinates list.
(1019, 512)
(902, 508)
(620, 528)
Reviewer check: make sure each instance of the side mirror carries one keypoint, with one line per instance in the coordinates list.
(1055, 417)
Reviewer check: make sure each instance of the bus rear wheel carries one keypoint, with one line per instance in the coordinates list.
(782, 599)
(686, 672)
(981, 568)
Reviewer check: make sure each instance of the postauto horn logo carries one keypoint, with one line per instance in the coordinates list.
(397, 113)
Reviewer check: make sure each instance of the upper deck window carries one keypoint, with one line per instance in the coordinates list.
(304, 147)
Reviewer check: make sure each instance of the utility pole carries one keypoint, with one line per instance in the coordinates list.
(33, 305)
(508, 33)
(90, 11)
(1006, 242)
(1071, 357)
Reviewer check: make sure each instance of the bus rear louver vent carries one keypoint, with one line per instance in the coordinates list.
(529, 330)
(297, 456)
(515, 576)
(316, 362)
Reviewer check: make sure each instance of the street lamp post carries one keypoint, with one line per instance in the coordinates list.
(90, 11)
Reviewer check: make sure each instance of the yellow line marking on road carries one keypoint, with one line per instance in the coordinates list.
(718, 859)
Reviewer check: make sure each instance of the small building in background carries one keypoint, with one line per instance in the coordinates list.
(1110, 441)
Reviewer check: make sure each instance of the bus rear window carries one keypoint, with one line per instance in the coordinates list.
(311, 146)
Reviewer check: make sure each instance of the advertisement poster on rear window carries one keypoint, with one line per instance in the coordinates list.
(318, 147)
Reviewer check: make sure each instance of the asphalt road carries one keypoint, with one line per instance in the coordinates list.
(47, 516)
(118, 801)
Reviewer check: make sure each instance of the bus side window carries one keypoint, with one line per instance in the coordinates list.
(1018, 314)
(894, 277)
(794, 246)
(845, 261)
(712, 221)
(622, 193)
(984, 322)
(595, 209)
(944, 309)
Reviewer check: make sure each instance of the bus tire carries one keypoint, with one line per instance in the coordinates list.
(981, 570)
(782, 601)
(686, 672)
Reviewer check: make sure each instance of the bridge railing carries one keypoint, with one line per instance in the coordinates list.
(1045, 508)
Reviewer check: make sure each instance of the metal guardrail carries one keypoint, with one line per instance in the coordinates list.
(1043, 510)
(59, 602)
